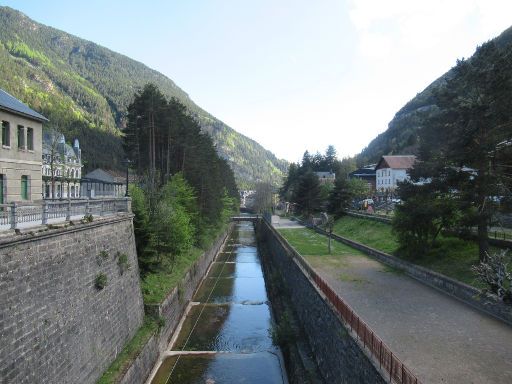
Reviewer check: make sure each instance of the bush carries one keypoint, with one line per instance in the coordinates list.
(100, 281)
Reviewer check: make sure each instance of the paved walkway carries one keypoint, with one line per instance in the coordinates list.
(441, 339)
(282, 223)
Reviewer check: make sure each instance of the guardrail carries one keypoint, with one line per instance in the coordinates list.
(16, 214)
(397, 371)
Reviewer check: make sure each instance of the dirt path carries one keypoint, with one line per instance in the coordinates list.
(441, 339)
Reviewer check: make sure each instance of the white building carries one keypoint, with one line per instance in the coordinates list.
(392, 169)
(65, 163)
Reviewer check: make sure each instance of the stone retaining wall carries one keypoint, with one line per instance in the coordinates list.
(502, 243)
(171, 310)
(56, 326)
(338, 354)
(466, 293)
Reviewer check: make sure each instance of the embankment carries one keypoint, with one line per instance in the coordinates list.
(338, 354)
(70, 300)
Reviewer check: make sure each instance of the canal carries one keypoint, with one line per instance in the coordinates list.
(226, 335)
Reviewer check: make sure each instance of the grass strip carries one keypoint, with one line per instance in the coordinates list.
(451, 256)
(130, 351)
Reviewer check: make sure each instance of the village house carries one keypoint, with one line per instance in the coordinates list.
(20, 151)
(101, 183)
(62, 167)
(326, 177)
(392, 169)
(366, 174)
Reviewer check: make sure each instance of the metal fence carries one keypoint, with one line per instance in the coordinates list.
(397, 371)
(14, 215)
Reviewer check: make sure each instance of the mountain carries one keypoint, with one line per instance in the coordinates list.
(401, 137)
(84, 89)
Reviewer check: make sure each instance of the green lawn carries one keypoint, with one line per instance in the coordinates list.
(452, 256)
(309, 243)
(156, 286)
(368, 232)
(130, 351)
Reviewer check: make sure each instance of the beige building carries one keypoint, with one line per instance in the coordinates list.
(20, 151)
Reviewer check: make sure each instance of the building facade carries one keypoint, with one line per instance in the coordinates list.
(326, 177)
(392, 169)
(62, 167)
(366, 174)
(20, 151)
(101, 183)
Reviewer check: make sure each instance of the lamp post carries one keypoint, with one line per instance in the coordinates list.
(127, 162)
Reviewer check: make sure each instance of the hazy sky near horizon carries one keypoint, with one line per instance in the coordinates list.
(290, 74)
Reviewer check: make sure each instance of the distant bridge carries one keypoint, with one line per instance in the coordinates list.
(252, 218)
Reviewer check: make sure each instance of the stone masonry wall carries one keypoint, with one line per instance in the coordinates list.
(338, 355)
(55, 325)
(171, 310)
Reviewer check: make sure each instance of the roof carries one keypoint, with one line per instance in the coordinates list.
(363, 172)
(325, 174)
(50, 137)
(108, 177)
(11, 104)
(100, 175)
(396, 162)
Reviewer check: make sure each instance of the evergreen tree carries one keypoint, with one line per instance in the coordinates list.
(308, 193)
(458, 143)
(339, 198)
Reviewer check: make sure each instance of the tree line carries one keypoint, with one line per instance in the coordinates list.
(185, 191)
(303, 188)
(464, 174)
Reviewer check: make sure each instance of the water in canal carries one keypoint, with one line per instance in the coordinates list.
(226, 336)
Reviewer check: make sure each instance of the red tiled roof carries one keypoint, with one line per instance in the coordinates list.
(396, 162)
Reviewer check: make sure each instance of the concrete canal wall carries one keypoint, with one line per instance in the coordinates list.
(338, 354)
(56, 325)
(171, 310)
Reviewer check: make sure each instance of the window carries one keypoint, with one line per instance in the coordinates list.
(2, 184)
(21, 137)
(6, 134)
(24, 187)
(30, 139)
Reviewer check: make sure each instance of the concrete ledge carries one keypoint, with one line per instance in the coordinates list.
(171, 309)
(42, 232)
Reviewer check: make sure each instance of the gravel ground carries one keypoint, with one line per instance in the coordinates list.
(441, 339)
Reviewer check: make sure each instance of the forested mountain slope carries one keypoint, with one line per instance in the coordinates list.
(84, 89)
(401, 137)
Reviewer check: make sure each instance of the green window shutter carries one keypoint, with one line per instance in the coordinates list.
(1, 189)
(24, 187)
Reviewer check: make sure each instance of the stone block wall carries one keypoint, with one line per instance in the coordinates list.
(56, 326)
(337, 353)
(171, 310)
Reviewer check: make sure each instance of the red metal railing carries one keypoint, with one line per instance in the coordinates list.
(398, 372)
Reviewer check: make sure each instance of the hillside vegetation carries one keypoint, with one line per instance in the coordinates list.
(85, 89)
(402, 135)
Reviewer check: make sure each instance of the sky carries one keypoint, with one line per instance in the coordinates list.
(294, 75)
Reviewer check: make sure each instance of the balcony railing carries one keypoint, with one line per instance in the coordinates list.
(16, 215)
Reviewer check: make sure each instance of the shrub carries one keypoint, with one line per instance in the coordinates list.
(100, 281)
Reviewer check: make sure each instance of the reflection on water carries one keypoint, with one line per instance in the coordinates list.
(233, 328)
(233, 319)
(255, 368)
